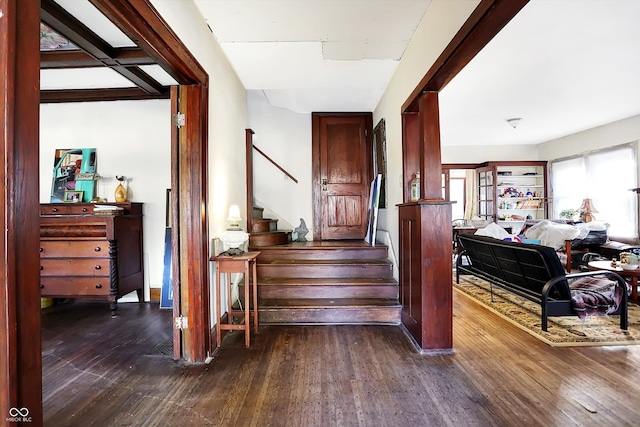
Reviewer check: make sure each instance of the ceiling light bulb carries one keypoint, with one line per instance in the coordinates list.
(514, 122)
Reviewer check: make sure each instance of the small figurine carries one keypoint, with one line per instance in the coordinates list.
(300, 232)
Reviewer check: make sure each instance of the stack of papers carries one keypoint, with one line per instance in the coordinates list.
(107, 210)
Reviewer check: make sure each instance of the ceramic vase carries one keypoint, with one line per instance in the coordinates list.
(121, 193)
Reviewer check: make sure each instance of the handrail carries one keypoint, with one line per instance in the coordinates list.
(275, 164)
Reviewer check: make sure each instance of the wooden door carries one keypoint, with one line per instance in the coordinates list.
(342, 165)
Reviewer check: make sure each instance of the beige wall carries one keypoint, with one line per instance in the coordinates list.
(440, 23)
(227, 111)
(609, 135)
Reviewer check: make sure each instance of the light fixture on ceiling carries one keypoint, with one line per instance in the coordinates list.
(514, 122)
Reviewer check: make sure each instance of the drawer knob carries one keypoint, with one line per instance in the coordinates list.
(41, 267)
(98, 267)
(41, 286)
(98, 286)
(97, 249)
(54, 210)
(41, 249)
(84, 209)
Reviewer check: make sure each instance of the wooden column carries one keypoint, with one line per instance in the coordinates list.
(20, 359)
(192, 223)
(431, 158)
(425, 226)
(425, 234)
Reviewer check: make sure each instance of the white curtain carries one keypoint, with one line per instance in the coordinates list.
(605, 177)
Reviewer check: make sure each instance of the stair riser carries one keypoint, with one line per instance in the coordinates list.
(268, 239)
(326, 291)
(361, 315)
(264, 226)
(270, 254)
(319, 271)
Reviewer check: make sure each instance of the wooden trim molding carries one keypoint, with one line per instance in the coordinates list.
(20, 358)
(140, 21)
(248, 135)
(90, 95)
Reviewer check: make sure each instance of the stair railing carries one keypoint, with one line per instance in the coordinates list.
(249, 166)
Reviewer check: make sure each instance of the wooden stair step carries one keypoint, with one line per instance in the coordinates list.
(300, 251)
(321, 288)
(257, 240)
(264, 225)
(325, 268)
(257, 212)
(330, 311)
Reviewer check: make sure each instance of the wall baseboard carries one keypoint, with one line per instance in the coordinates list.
(154, 294)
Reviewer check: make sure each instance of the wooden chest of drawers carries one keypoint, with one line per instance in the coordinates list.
(83, 255)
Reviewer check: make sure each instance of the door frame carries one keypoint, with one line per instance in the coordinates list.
(316, 175)
(20, 327)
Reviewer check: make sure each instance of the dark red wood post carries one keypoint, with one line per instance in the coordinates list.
(20, 359)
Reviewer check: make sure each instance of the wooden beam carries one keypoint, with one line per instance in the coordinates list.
(80, 35)
(88, 95)
(53, 59)
(484, 23)
(155, 37)
(20, 358)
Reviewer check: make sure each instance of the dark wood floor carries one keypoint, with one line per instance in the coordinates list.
(99, 371)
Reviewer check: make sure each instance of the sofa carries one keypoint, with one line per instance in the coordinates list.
(535, 272)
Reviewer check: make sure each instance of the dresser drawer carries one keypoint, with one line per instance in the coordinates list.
(74, 267)
(66, 209)
(61, 287)
(74, 249)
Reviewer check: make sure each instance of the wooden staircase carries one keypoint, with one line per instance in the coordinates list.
(264, 231)
(329, 282)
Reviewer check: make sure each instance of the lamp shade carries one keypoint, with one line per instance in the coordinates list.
(587, 210)
(234, 218)
(234, 214)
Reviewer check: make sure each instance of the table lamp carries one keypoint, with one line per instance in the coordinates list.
(587, 210)
(234, 238)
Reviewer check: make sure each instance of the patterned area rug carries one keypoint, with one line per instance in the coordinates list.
(563, 331)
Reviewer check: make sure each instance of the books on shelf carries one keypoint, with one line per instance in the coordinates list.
(528, 204)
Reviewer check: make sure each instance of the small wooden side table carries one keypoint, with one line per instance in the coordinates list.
(244, 263)
(633, 274)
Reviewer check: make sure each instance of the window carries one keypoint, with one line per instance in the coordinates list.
(606, 177)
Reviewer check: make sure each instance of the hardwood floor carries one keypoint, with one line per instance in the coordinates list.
(98, 371)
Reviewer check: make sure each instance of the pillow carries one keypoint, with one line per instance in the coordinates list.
(493, 230)
(552, 234)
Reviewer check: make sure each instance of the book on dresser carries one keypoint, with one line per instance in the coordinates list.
(91, 251)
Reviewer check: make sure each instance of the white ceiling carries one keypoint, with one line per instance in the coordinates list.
(315, 55)
(562, 65)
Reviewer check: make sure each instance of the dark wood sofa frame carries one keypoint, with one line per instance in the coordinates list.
(531, 271)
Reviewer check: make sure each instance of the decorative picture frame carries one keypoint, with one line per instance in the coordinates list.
(73, 196)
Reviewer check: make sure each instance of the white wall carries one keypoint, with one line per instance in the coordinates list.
(493, 153)
(132, 138)
(440, 23)
(284, 136)
(227, 111)
(227, 118)
(609, 135)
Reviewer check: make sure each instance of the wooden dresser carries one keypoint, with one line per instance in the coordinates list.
(86, 255)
